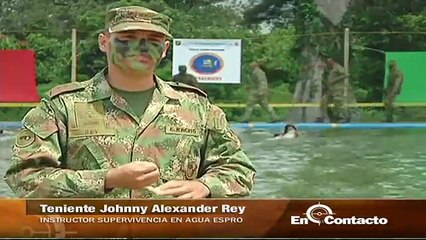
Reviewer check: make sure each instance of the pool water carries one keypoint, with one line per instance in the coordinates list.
(335, 163)
(339, 164)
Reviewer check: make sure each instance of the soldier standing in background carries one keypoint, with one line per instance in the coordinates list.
(259, 94)
(333, 90)
(393, 89)
(184, 77)
(126, 133)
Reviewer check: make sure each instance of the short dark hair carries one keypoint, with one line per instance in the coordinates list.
(288, 127)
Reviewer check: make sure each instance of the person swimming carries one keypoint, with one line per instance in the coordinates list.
(290, 131)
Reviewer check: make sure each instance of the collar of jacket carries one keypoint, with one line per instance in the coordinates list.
(100, 88)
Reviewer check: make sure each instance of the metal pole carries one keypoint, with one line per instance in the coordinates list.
(74, 56)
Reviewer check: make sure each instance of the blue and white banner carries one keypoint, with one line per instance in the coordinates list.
(209, 60)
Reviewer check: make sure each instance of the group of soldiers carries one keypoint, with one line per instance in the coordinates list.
(258, 91)
(332, 93)
(333, 100)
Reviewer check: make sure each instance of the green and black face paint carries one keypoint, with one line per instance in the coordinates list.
(122, 49)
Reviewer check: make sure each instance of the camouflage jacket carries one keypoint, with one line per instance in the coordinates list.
(259, 82)
(394, 83)
(335, 80)
(71, 139)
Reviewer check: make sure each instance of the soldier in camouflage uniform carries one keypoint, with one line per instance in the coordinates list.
(333, 91)
(126, 133)
(393, 89)
(184, 77)
(259, 94)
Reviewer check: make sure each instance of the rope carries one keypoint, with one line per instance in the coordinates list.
(276, 105)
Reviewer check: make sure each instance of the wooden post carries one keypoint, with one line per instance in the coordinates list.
(346, 64)
(74, 56)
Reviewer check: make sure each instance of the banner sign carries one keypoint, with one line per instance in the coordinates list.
(329, 218)
(209, 60)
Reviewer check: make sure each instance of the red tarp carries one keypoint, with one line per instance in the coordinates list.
(18, 76)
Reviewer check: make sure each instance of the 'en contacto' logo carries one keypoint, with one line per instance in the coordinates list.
(206, 63)
(323, 214)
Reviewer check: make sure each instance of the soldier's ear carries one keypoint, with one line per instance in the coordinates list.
(103, 39)
(167, 46)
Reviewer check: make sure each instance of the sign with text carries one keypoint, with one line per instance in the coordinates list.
(219, 218)
(209, 60)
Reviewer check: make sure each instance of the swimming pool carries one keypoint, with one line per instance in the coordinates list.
(339, 163)
(333, 163)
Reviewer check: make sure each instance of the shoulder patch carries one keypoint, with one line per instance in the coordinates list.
(68, 87)
(183, 86)
(24, 138)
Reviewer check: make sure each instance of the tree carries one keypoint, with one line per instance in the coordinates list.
(362, 16)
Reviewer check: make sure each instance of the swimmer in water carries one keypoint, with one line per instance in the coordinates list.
(290, 131)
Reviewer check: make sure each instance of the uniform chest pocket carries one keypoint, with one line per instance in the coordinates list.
(85, 150)
(185, 159)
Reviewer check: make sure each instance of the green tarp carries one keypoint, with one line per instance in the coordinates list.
(413, 65)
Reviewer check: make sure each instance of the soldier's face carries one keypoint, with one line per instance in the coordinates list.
(136, 50)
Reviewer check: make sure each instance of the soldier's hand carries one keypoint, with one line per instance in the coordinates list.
(134, 175)
(183, 189)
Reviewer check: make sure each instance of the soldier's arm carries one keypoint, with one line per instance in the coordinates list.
(261, 80)
(262, 77)
(340, 77)
(397, 84)
(37, 169)
(225, 170)
(254, 79)
(388, 82)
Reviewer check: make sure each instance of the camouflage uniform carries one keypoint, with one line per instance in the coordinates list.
(72, 138)
(333, 91)
(259, 95)
(393, 89)
(184, 77)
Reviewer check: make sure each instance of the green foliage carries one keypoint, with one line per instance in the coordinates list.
(53, 58)
(7, 42)
(363, 16)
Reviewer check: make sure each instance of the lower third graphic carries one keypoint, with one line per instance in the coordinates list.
(315, 214)
(322, 214)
